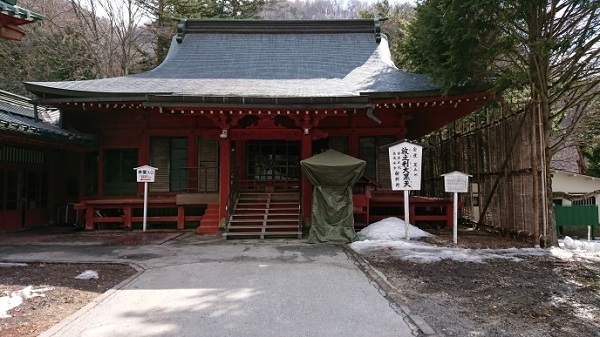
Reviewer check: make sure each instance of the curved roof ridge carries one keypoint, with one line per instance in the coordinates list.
(251, 26)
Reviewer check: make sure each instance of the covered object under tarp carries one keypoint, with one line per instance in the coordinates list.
(332, 174)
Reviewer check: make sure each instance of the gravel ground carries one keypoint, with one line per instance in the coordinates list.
(538, 296)
(64, 293)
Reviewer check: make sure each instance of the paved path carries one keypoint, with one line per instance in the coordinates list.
(209, 287)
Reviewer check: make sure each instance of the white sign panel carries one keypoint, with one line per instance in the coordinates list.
(456, 182)
(405, 166)
(145, 174)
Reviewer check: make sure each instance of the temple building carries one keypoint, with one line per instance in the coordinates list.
(231, 112)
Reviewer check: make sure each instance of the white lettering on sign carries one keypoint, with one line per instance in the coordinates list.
(405, 166)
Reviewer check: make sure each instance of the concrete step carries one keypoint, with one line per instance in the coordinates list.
(244, 226)
(261, 235)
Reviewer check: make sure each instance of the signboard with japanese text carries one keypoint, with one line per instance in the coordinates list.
(405, 166)
(145, 174)
(456, 182)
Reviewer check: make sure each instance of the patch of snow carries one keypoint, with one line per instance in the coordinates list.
(386, 239)
(88, 274)
(8, 264)
(7, 303)
(16, 298)
(28, 292)
(390, 229)
(570, 249)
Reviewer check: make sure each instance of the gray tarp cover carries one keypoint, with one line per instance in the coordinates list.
(332, 174)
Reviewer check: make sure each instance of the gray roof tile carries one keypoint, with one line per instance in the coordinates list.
(18, 116)
(261, 65)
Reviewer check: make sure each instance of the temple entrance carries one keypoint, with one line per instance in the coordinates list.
(273, 160)
(273, 163)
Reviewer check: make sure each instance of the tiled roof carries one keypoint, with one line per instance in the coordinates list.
(10, 8)
(17, 115)
(278, 60)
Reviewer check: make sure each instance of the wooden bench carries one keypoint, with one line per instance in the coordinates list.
(419, 208)
(102, 211)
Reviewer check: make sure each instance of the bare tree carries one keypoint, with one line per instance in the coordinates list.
(313, 10)
(113, 29)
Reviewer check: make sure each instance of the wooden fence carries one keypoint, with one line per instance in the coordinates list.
(501, 150)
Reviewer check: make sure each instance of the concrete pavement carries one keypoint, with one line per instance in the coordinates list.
(204, 286)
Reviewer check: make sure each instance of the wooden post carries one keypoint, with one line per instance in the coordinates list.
(306, 152)
(89, 215)
(406, 215)
(180, 216)
(224, 176)
(127, 216)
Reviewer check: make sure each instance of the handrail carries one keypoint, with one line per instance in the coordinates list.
(232, 198)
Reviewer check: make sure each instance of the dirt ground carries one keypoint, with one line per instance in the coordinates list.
(65, 296)
(540, 296)
(535, 297)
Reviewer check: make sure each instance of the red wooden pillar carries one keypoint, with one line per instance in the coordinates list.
(180, 217)
(224, 176)
(306, 152)
(127, 214)
(89, 215)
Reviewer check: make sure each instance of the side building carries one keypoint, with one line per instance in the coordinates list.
(38, 165)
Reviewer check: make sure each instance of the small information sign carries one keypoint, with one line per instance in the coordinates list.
(405, 166)
(456, 182)
(145, 174)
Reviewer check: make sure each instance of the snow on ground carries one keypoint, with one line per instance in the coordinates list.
(390, 229)
(386, 238)
(16, 298)
(578, 249)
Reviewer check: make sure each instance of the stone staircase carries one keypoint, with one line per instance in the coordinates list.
(265, 215)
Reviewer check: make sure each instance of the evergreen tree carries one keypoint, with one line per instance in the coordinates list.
(547, 48)
(164, 14)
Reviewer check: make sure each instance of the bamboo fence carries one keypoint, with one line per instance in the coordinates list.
(500, 148)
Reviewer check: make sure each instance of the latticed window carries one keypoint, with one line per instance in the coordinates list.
(23, 189)
(273, 160)
(12, 154)
(170, 156)
(371, 150)
(119, 176)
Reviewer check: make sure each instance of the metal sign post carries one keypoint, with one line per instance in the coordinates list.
(456, 182)
(405, 170)
(145, 174)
